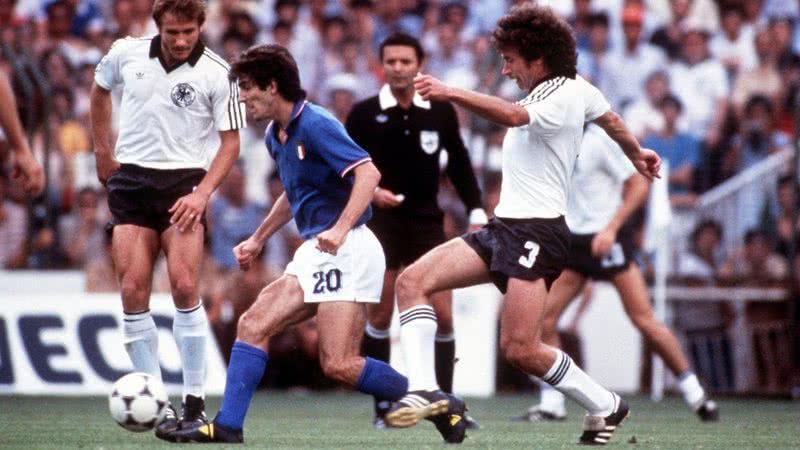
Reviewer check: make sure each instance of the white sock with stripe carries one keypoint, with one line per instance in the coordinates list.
(417, 334)
(573, 382)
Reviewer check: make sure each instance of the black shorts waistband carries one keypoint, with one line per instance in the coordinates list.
(534, 220)
(139, 170)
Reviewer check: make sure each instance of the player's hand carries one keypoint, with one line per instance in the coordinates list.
(330, 240)
(429, 88)
(602, 243)
(105, 168)
(29, 172)
(188, 211)
(246, 252)
(384, 198)
(648, 163)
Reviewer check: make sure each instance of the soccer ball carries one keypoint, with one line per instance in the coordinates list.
(137, 401)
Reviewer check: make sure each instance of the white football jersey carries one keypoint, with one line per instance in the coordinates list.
(597, 181)
(169, 119)
(538, 158)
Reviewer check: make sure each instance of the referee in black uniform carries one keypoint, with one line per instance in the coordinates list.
(405, 136)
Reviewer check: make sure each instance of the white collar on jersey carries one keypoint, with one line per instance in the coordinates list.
(387, 100)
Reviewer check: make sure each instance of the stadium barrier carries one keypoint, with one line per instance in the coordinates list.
(71, 344)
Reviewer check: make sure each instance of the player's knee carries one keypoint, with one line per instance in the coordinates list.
(249, 329)
(183, 288)
(410, 286)
(516, 351)
(133, 290)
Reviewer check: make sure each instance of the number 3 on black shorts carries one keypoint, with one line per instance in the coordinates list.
(533, 251)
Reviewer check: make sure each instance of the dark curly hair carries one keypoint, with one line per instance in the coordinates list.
(268, 62)
(536, 32)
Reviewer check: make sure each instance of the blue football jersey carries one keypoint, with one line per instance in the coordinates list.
(314, 165)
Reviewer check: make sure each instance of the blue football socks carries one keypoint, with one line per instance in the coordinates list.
(244, 373)
(381, 381)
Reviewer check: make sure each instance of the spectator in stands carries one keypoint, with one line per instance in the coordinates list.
(627, 67)
(390, 17)
(341, 91)
(680, 150)
(701, 84)
(763, 79)
(756, 262)
(779, 224)
(591, 61)
(701, 263)
(704, 323)
(670, 36)
(82, 230)
(781, 30)
(733, 45)
(230, 217)
(643, 116)
(757, 137)
(449, 54)
(13, 229)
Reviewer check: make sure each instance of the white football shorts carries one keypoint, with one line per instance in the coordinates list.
(354, 274)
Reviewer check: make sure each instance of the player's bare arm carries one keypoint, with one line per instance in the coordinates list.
(634, 194)
(367, 177)
(492, 108)
(189, 209)
(26, 168)
(384, 198)
(646, 161)
(278, 216)
(100, 108)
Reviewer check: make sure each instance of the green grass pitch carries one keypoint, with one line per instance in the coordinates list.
(279, 420)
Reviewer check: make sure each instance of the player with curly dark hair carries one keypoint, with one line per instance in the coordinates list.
(524, 248)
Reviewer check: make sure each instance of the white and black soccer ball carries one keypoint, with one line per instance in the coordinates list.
(137, 401)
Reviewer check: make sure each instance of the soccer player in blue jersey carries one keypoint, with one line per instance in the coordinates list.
(329, 182)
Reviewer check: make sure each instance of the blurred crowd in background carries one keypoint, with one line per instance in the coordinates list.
(712, 85)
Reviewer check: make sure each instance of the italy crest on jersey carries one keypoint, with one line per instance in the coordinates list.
(301, 151)
(429, 141)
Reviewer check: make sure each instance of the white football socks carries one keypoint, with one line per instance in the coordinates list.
(551, 400)
(190, 329)
(693, 393)
(573, 382)
(417, 334)
(140, 337)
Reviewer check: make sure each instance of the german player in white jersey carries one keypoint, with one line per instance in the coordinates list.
(524, 248)
(178, 136)
(606, 191)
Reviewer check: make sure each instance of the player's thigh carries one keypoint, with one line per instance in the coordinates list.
(566, 287)
(279, 305)
(184, 251)
(634, 294)
(379, 314)
(134, 250)
(340, 325)
(522, 312)
(451, 265)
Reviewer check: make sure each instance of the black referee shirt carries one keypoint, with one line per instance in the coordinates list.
(405, 145)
